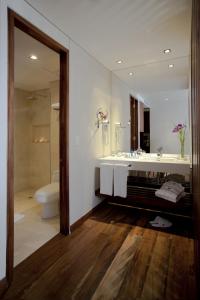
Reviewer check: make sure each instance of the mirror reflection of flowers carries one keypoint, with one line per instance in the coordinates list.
(180, 129)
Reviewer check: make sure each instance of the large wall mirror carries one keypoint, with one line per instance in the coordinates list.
(152, 125)
(150, 91)
(158, 101)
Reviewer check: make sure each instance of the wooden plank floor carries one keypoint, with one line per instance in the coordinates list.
(115, 254)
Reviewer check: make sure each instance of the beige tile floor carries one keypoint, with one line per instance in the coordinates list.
(31, 232)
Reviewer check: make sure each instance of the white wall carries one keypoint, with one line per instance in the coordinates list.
(164, 115)
(90, 88)
(3, 140)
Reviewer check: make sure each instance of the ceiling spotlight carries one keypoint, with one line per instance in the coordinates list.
(171, 66)
(33, 57)
(119, 61)
(131, 73)
(166, 99)
(167, 51)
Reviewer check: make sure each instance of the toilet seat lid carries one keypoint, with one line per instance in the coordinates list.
(48, 193)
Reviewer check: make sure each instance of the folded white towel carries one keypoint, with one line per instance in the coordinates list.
(171, 191)
(173, 186)
(106, 179)
(169, 196)
(120, 180)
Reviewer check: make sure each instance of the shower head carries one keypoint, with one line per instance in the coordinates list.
(55, 106)
(31, 98)
(36, 96)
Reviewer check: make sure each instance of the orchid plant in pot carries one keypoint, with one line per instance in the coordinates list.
(180, 129)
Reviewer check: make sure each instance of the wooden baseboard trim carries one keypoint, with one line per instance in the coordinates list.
(3, 286)
(80, 221)
(197, 268)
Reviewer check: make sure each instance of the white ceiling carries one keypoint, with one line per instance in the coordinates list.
(136, 31)
(167, 97)
(31, 75)
(157, 76)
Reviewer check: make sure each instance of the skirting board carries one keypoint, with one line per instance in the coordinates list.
(3, 286)
(197, 265)
(80, 221)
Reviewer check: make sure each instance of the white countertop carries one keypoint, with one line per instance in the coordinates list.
(170, 163)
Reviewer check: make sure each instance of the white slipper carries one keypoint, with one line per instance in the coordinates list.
(156, 220)
(160, 222)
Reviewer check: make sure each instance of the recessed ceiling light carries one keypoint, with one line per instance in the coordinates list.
(131, 73)
(119, 61)
(171, 66)
(167, 51)
(33, 57)
(166, 99)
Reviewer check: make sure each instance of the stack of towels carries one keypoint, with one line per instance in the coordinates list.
(113, 179)
(171, 191)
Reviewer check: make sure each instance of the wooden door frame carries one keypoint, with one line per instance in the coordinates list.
(195, 121)
(14, 20)
(133, 143)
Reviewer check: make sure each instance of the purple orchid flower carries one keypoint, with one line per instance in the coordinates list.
(179, 127)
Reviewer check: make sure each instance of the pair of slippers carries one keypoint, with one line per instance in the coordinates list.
(160, 222)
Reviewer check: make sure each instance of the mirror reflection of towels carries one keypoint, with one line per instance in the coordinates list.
(171, 191)
(105, 134)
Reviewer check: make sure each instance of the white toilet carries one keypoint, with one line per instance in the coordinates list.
(48, 197)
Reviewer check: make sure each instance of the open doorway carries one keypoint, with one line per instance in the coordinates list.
(134, 123)
(38, 192)
(145, 128)
(36, 145)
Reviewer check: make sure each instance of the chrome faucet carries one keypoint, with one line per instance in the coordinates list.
(159, 151)
(139, 151)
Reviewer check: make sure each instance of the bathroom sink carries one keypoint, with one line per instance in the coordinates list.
(168, 158)
(158, 158)
(170, 163)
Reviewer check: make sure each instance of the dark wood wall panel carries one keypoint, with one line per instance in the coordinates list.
(195, 110)
(134, 123)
